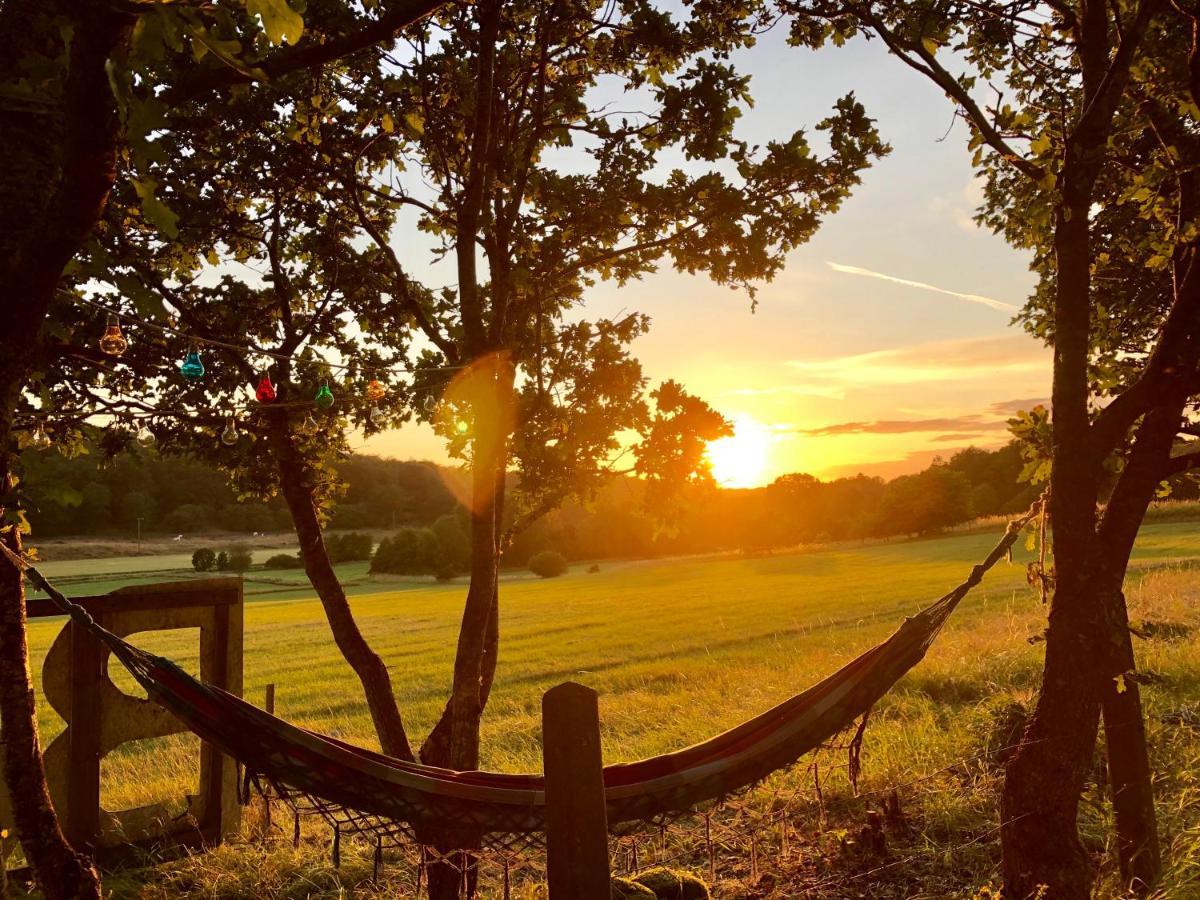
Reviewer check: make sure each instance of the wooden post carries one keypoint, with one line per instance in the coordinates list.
(83, 772)
(576, 819)
(269, 706)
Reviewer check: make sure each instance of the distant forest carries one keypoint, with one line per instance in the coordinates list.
(91, 495)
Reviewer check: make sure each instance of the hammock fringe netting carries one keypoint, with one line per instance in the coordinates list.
(358, 790)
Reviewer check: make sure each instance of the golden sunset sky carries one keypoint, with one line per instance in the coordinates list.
(887, 339)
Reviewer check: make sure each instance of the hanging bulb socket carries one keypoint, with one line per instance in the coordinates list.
(324, 397)
(230, 435)
(375, 390)
(113, 342)
(265, 392)
(192, 368)
(39, 439)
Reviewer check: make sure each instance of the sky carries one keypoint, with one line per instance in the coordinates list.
(884, 343)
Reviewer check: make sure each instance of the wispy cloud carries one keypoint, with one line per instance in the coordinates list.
(973, 298)
(1012, 407)
(994, 359)
(972, 424)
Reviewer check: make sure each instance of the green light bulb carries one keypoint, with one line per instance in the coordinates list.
(324, 398)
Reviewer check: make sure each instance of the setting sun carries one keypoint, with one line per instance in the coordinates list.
(740, 460)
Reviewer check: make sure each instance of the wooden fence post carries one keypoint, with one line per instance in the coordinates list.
(576, 819)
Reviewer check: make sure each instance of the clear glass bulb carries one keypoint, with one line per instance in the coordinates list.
(113, 342)
(230, 435)
(145, 437)
(39, 439)
(377, 416)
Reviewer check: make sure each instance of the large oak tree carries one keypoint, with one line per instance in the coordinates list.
(1083, 119)
(62, 131)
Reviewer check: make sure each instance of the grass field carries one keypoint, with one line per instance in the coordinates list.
(679, 649)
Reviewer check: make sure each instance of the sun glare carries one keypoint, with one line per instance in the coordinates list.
(740, 461)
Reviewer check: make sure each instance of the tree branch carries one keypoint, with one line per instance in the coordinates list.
(401, 14)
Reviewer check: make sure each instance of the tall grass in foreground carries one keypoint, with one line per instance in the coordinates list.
(680, 650)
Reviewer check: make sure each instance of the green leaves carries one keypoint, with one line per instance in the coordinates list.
(154, 210)
(281, 23)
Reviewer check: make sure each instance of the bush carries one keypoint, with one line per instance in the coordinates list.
(350, 547)
(411, 551)
(548, 564)
(625, 889)
(222, 561)
(669, 884)
(284, 561)
(239, 560)
(204, 560)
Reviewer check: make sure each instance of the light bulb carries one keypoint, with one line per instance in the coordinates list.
(230, 435)
(430, 403)
(375, 391)
(39, 439)
(377, 416)
(192, 368)
(461, 426)
(265, 392)
(324, 397)
(113, 342)
(145, 437)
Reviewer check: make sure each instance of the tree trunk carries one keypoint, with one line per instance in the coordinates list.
(62, 873)
(1132, 790)
(57, 165)
(295, 483)
(1124, 727)
(454, 741)
(1045, 778)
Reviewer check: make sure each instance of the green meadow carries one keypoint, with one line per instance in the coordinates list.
(682, 648)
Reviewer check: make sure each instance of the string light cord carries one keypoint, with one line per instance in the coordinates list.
(252, 351)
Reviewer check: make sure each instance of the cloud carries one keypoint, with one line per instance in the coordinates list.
(890, 468)
(961, 206)
(995, 358)
(795, 390)
(1012, 407)
(973, 298)
(973, 424)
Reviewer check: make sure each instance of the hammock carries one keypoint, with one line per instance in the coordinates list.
(367, 792)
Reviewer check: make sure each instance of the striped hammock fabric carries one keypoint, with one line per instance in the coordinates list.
(364, 791)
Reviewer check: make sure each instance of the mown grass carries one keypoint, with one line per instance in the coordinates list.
(681, 649)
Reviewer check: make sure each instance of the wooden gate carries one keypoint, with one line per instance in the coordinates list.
(100, 717)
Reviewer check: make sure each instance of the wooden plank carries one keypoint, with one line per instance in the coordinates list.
(83, 772)
(577, 865)
(170, 597)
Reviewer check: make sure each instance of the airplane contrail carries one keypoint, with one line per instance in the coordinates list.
(973, 298)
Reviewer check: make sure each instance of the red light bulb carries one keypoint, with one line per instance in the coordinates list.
(265, 392)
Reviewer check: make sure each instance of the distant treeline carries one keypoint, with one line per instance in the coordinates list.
(795, 509)
(94, 495)
(89, 495)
